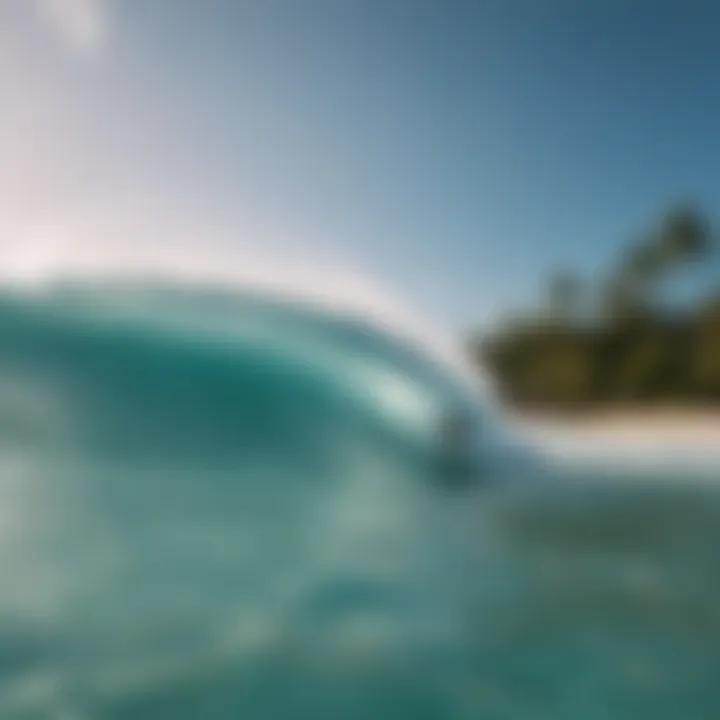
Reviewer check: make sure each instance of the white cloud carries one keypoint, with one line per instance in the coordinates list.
(82, 24)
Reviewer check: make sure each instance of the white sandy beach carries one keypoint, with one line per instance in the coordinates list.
(658, 438)
(693, 427)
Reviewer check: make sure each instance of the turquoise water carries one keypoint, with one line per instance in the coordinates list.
(218, 506)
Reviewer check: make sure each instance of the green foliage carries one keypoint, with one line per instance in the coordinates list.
(704, 369)
(684, 235)
(631, 351)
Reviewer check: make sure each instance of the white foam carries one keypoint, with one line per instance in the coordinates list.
(335, 288)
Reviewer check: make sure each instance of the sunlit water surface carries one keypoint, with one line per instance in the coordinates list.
(216, 507)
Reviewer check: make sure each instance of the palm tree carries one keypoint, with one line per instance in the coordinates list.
(684, 236)
(642, 265)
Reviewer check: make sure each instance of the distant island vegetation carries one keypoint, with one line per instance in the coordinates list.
(618, 341)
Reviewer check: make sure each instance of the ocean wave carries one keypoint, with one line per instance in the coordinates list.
(198, 485)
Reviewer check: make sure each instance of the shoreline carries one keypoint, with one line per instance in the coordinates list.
(633, 423)
(658, 434)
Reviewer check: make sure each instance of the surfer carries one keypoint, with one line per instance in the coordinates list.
(457, 432)
(456, 443)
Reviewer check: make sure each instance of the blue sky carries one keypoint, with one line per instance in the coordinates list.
(455, 152)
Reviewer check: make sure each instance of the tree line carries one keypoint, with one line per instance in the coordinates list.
(621, 340)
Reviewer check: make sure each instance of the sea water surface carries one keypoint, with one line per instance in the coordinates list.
(219, 505)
